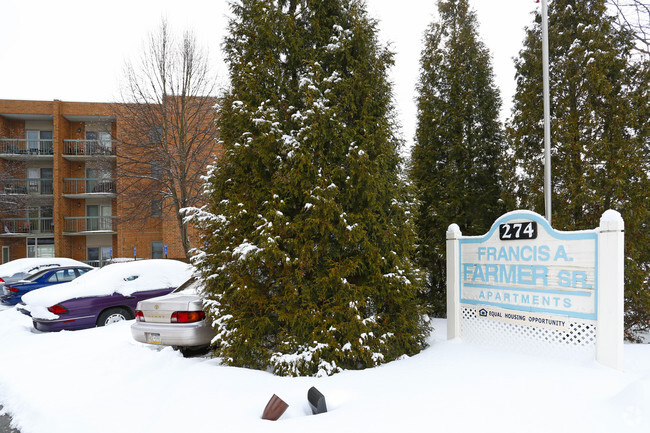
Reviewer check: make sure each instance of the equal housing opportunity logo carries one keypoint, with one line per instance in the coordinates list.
(523, 318)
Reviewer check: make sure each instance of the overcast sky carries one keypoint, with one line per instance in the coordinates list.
(74, 50)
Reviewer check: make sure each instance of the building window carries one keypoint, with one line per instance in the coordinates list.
(156, 208)
(98, 256)
(5, 254)
(99, 217)
(40, 247)
(46, 143)
(40, 180)
(91, 143)
(98, 143)
(33, 141)
(157, 250)
(41, 219)
(99, 180)
(155, 134)
(105, 143)
(40, 142)
(156, 169)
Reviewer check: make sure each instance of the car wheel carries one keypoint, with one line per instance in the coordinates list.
(113, 315)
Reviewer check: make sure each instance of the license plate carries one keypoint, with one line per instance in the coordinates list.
(153, 338)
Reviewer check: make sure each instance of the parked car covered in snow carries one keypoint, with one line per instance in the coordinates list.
(176, 320)
(104, 296)
(19, 269)
(11, 293)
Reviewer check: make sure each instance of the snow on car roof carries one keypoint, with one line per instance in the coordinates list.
(33, 264)
(123, 278)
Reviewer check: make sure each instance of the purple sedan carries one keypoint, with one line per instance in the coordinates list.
(103, 296)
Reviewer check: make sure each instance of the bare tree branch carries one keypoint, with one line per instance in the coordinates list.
(14, 189)
(167, 128)
(634, 15)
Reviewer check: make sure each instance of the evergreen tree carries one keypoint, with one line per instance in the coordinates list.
(308, 247)
(599, 121)
(458, 157)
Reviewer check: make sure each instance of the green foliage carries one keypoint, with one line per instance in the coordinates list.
(599, 122)
(308, 246)
(458, 162)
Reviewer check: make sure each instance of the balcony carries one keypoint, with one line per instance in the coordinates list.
(88, 188)
(29, 186)
(23, 149)
(84, 150)
(22, 227)
(88, 225)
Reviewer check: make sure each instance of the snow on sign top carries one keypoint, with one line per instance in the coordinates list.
(523, 264)
(125, 278)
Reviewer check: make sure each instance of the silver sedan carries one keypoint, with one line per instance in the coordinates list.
(176, 320)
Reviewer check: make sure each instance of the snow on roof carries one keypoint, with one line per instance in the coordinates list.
(29, 265)
(124, 278)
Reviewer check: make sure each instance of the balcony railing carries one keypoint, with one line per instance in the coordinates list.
(97, 263)
(88, 186)
(89, 224)
(10, 226)
(32, 186)
(25, 146)
(89, 147)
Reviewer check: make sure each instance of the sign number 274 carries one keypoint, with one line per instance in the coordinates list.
(512, 231)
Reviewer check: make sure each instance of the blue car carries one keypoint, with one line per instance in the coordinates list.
(12, 292)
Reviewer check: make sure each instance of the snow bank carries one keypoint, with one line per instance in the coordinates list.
(100, 380)
(124, 278)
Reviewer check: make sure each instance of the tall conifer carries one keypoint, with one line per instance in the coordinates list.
(308, 247)
(457, 160)
(600, 133)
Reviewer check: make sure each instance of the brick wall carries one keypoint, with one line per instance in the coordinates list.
(129, 234)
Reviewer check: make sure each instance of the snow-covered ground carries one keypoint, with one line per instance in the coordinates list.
(100, 380)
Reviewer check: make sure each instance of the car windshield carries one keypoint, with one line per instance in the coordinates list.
(190, 286)
(36, 275)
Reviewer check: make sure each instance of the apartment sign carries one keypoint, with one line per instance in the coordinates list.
(523, 264)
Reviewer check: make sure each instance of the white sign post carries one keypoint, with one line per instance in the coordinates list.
(609, 343)
(527, 286)
(453, 292)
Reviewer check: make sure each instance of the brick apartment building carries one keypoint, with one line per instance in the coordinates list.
(59, 193)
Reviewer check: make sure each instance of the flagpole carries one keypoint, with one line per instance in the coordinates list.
(547, 114)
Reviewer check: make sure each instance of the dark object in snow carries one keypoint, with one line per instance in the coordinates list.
(274, 408)
(316, 401)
